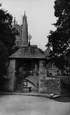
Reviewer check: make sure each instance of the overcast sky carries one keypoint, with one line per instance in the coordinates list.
(40, 17)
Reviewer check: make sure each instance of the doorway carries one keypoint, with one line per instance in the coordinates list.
(27, 75)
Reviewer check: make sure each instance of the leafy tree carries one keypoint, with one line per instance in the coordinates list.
(3, 65)
(7, 41)
(60, 38)
(7, 31)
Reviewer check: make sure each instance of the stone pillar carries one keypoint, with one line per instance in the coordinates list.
(42, 74)
(42, 69)
(40, 64)
(11, 75)
(35, 70)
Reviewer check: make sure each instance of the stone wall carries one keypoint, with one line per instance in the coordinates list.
(50, 85)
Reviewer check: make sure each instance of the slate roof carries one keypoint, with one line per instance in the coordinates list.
(28, 52)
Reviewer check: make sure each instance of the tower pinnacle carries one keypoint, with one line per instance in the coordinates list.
(24, 41)
(14, 22)
(25, 12)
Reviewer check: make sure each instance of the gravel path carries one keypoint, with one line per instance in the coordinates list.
(30, 105)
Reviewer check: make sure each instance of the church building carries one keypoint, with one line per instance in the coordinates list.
(29, 57)
(28, 64)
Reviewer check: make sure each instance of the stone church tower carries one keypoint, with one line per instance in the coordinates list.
(22, 38)
(24, 31)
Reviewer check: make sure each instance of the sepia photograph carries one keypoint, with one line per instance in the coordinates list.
(34, 57)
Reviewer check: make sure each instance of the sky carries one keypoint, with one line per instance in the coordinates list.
(40, 17)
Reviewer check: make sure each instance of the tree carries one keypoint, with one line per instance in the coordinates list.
(3, 65)
(7, 41)
(60, 38)
(7, 31)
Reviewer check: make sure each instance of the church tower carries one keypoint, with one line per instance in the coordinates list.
(24, 33)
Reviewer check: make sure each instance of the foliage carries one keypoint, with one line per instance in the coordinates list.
(7, 42)
(7, 31)
(3, 64)
(60, 38)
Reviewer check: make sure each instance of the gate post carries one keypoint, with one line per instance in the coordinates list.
(11, 75)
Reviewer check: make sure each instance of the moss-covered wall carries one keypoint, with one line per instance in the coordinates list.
(50, 85)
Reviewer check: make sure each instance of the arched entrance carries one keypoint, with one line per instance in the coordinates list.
(27, 73)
